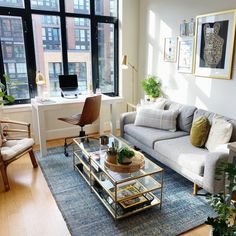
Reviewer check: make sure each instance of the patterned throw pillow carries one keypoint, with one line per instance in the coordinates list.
(199, 131)
(220, 133)
(154, 118)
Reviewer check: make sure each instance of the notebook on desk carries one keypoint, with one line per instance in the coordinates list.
(69, 86)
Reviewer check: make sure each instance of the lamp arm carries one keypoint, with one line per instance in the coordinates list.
(133, 67)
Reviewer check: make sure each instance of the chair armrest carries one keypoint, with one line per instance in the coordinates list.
(126, 118)
(13, 122)
(213, 160)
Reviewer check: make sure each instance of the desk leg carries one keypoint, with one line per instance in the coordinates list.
(41, 132)
(113, 118)
(101, 120)
(35, 125)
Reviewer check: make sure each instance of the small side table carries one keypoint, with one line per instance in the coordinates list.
(232, 152)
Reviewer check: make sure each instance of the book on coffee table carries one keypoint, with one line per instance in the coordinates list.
(131, 190)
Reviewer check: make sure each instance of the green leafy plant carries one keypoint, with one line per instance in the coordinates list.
(123, 153)
(152, 86)
(225, 223)
(6, 99)
(113, 150)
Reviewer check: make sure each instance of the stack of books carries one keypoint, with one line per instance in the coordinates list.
(130, 190)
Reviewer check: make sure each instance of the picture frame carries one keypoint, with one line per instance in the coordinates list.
(182, 29)
(170, 48)
(191, 28)
(185, 54)
(214, 44)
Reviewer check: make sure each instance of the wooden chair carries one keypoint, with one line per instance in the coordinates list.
(90, 113)
(13, 146)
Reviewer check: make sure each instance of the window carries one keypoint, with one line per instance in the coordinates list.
(49, 5)
(12, 3)
(48, 50)
(13, 52)
(106, 57)
(55, 69)
(79, 52)
(50, 20)
(106, 7)
(51, 38)
(79, 68)
(78, 6)
(81, 38)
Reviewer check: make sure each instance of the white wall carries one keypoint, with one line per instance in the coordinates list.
(128, 44)
(160, 19)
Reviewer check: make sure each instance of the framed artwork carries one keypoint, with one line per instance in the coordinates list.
(214, 44)
(185, 55)
(191, 28)
(170, 47)
(182, 29)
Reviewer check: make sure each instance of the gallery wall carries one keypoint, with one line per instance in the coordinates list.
(162, 18)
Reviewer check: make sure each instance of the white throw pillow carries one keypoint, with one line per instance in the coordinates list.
(220, 133)
(158, 104)
(154, 118)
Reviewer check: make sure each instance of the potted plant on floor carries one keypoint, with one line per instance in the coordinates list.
(224, 203)
(125, 156)
(152, 87)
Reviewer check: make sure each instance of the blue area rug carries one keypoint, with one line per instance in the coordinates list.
(85, 214)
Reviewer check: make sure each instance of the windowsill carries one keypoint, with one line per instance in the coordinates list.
(16, 108)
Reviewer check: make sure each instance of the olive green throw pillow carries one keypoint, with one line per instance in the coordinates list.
(199, 131)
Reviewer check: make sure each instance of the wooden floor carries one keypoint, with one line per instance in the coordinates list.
(29, 208)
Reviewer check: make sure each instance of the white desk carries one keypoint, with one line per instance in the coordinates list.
(39, 110)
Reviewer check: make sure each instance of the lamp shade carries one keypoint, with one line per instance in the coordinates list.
(40, 79)
(125, 62)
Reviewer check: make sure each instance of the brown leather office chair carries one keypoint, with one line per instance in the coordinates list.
(90, 113)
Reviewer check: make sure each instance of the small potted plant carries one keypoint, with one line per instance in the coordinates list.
(224, 203)
(152, 87)
(125, 156)
(4, 98)
(112, 154)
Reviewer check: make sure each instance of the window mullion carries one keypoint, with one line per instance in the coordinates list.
(30, 54)
(94, 47)
(63, 37)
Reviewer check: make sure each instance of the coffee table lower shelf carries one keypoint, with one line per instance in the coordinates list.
(118, 212)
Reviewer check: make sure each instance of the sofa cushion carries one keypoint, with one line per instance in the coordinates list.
(199, 131)
(183, 153)
(185, 117)
(155, 118)
(148, 136)
(220, 133)
(210, 115)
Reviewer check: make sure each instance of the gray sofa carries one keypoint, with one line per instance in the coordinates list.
(174, 148)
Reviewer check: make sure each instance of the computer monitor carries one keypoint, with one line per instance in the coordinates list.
(68, 81)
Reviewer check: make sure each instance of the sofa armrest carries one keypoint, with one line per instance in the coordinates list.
(126, 118)
(213, 160)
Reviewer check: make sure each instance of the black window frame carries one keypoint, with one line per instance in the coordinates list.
(26, 15)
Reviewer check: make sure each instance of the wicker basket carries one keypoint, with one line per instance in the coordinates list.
(137, 163)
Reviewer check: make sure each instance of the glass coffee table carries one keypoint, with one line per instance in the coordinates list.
(123, 194)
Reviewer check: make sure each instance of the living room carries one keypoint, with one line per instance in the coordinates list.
(143, 30)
